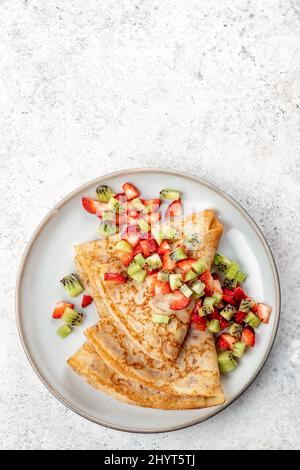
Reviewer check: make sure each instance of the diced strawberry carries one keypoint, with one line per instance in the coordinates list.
(255, 308)
(124, 257)
(154, 203)
(215, 276)
(131, 191)
(137, 250)
(91, 206)
(151, 281)
(240, 317)
(168, 263)
(116, 278)
(174, 209)
(248, 336)
(264, 312)
(198, 306)
(226, 342)
(224, 323)
(121, 197)
(179, 301)
(239, 294)
(217, 286)
(162, 287)
(228, 296)
(152, 218)
(215, 315)
(200, 323)
(121, 220)
(86, 301)
(133, 238)
(133, 213)
(60, 308)
(163, 247)
(207, 279)
(186, 264)
(148, 247)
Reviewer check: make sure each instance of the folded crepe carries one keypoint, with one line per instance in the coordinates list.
(130, 304)
(91, 367)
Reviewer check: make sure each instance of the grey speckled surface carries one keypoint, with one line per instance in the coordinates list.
(214, 90)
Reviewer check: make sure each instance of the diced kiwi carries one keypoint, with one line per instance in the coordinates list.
(236, 330)
(109, 216)
(214, 326)
(64, 331)
(222, 262)
(218, 297)
(138, 205)
(169, 233)
(107, 229)
(178, 254)
(116, 206)
(140, 260)
(72, 317)
(123, 245)
(175, 281)
(232, 271)
(133, 268)
(72, 285)
(140, 276)
(157, 234)
(226, 362)
(158, 318)
(199, 266)
(154, 262)
(143, 226)
(172, 194)
(186, 291)
(229, 283)
(198, 287)
(239, 349)
(208, 305)
(240, 277)
(246, 305)
(190, 275)
(252, 320)
(104, 193)
(163, 276)
(192, 241)
(228, 312)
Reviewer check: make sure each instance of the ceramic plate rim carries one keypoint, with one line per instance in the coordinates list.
(59, 205)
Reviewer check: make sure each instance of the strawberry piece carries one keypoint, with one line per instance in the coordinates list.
(124, 257)
(137, 250)
(154, 203)
(215, 276)
(86, 301)
(240, 317)
(152, 218)
(207, 279)
(224, 323)
(228, 296)
(131, 191)
(91, 206)
(163, 247)
(168, 263)
(133, 213)
(215, 315)
(217, 286)
(174, 209)
(248, 336)
(151, 281)
(186, 264)
(162, 287)
(200, 323)
(148, 247)
(239, 294)
(133, 238)
(264, 312)
(60, 308)
(121, 197)
(255, 308)
(116, 278)
(198, 306)
(226, 342)
(179, 301)
(121, 219)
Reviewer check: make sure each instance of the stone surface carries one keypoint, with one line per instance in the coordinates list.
(210, 88)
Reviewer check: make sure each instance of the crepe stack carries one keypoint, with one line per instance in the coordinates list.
(134, 360)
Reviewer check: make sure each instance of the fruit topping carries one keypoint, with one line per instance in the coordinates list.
(131, 191)
(72, 317)
(226, 362)
(248, 336)
(179, 301)
(115, 278)
(72, 285)
(174, 209)
(86, 301)
(148, 247)
(172, 194)
(107, 229)
(157, 318)
(64, 331)
(104, 193)
(60, 308)
(264, 312)
(178, 254)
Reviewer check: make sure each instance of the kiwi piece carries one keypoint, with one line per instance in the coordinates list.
(252, 320)
(138, 205)
(143, 226)
(198, 287)
(236, 330)
(169, 233)
(140, 260)
(246, 305)
(229, 283)
(140, 276)
(157, 234)
(226, 362)
(104, 193)
(124, 246)
(72, 317)
(107, 229)
(192, 241)
(171, 194)
(133, 268)
(190, 275)
(199, 266)
(239, 349)
(240, 277)
(154, 262)
(232, 271)
(163, 276)
(222, 262)
(178, 254)
(186, 291)
(228, 312)
(72, 285)
(218, 297)
(109, 216)
(116, 206)
(158, 318)
(175, 281)
(64, 331)
(214, 326)
(208, 305)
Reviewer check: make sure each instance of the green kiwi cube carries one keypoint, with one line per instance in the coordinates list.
(221, 262)
(214, 326)
(178, 254)
(116, 206)
(163, 276)
(109, 216)
(226, 362)
(240, 277)
(169, 233)
(232, 271)
(218, 297)
(107, 229)
(239, 349)
(175, 281)
(143, 226)
(64, 331)
(199, 266)
(208, 305)
(236, 330)
(157, 234)
(252, 320)
(190, 275)
(228, 312)
(123, 245)
(72, 317)
(171, 194)
(158, 318)
(186, 291)
(198, 287)
(140, 260)
(140, 276)
(246, 305)
(154, 262)
(138, 205)
(104, 193)
(133, 268)
(72, 285)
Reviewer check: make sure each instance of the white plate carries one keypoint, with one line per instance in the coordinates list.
(49, 257)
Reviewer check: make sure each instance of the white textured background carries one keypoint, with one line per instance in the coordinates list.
(210, 88)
